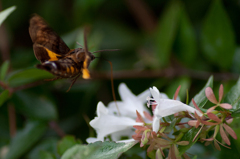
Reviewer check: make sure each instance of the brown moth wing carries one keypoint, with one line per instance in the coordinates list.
(47, 45)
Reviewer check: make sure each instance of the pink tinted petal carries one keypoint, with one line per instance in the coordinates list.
(210, 95)
(213, 117)
(176, 93)
(220, 93)
(229, 121)
(210, 139)
(226, 106)
(224, 136)
(230, 131)
(211, 109)
(192, 122)
(183, 143)
(139, 117)
(186, 156)
(148, 116)
(195, 105)
(140, 127)
(154, 107)
(217, 146)
(209, 123)
(222, 144)
(197, 134)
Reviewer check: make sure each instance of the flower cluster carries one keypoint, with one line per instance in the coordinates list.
(133, 120)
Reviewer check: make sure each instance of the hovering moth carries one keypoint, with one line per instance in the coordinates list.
(54, 54)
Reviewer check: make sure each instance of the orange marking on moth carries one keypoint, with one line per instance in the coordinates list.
(53, 56)
(85, 71)
(68, 70)
(72, 69)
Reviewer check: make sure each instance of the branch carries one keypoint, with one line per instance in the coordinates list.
(169, 73)
(143, 14)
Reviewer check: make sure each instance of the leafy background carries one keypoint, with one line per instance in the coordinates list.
(163, 44)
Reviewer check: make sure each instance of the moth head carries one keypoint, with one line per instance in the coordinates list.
(80, 55)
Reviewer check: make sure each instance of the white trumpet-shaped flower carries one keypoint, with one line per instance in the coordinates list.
(130, 102)
(109, 124)
(166, 107)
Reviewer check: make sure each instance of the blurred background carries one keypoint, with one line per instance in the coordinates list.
(162, 43)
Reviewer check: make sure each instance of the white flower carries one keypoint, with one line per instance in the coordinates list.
(108, 124)
(166, 107)
(130, 103)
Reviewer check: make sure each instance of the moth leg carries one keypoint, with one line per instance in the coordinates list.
(73, 81)
(53, 79)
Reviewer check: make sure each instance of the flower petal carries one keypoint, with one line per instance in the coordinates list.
(210, 95)
(126, 133)
(216, 145)
(220, 93)
(106, 124)
(101, 109)
(125, 92)
(126, 141)
(92, 140)
(156, 123)
(211, 109)
(168, 107)
(130, 103)
(213, 117)
(155, 93)
(142, 97)
(183, 143)
(192, 122)
(224, 136)
(176, 93)
(230, 131)
(139, 117)
(196, 106)
(148, 116)
(226, 106)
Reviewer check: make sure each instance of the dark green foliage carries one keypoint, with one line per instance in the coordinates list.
(191, 39)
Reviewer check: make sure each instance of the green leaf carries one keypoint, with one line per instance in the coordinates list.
(4, 97)
(171, 126)
(66, 143)
(233, 96)
(101, 150)
(189, 136)
(25, 139)
(35, 106)
(166, 32)
(236, 113)
(3, 70)
(5, 13)
(80, 152)
(186, 44)
(48, 145)
(201, 98)
(46, 155)
(27, 76)
(236, 63)
(218, 40)
(185, 84)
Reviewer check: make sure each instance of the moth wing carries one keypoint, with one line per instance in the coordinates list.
(47, 45)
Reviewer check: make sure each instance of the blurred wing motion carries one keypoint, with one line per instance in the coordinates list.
(47, 45)
(54, 54)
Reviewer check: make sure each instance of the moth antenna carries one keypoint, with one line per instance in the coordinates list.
(112, 85)
(106, 50)
(79, 44)
(85, 41)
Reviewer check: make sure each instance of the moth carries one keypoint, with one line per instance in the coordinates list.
(55, 56)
